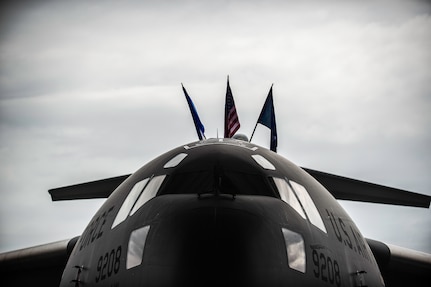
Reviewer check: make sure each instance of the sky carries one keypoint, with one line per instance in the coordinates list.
(92, 89)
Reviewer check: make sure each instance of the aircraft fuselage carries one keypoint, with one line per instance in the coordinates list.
(221, 212)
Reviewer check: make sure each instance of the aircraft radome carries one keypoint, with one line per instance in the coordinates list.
(222, 212)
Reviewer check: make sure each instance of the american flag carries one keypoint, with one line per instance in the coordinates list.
(231, 120)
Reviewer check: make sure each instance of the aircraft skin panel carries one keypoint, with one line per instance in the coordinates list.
(36, 266)
(195, 241)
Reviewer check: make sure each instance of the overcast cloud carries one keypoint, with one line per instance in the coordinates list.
(90, 90)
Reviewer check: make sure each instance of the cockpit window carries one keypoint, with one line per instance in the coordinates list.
(223, 182)
(141, 192)
(288, 196)
(295, 249)
(149, 192)
(136, 246)
(308, 204)
(297, 197)
(129, 202)
(263, 162)
(175, 160)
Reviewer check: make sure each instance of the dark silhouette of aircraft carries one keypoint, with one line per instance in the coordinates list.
(222, 212)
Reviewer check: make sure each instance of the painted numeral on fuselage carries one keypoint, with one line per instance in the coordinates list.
(108, 264)
(326, 268)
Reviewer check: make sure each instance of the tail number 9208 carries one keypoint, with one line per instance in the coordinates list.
(326, 268)
(108, 264)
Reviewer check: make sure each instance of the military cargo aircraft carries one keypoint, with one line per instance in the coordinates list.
(222, 212)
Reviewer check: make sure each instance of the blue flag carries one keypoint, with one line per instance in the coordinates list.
(267, 118)
(200, 129)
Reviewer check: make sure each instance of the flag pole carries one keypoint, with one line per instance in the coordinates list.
(253, 133)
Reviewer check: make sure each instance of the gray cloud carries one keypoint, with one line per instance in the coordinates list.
(90, 91)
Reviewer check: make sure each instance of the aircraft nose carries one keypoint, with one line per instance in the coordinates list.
(217, 244)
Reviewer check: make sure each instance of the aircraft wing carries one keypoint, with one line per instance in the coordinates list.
(94, 189)
(352, 189)
(340, 187)
(401, 266)
(41, 265)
